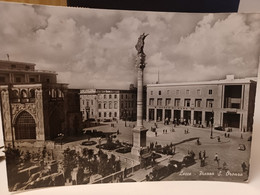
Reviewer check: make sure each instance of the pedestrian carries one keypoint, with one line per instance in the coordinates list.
(202, 162)
(166, 131)
(225, 134)
(216, 157)
(155, 133)
(241, 136)
(117, 132)
(200, 155)
(218, 139)
(244, 167)
(224, 166)
(228, 135)
(204, 154)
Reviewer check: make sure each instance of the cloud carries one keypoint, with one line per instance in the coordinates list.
(95, 48)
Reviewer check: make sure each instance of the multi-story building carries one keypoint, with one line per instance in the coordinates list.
(229, 102)
(35, 108)
(108, 104)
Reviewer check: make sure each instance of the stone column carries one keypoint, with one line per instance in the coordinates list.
(163, 115)
(203, 119)
(155, 115)
(139, 132)
(172, 114)
(182, 115)
(192, 117)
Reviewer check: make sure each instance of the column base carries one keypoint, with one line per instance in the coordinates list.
(139, 140)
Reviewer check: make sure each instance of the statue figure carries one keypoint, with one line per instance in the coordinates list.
(140, 43)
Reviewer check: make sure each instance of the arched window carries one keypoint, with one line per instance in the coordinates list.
(115, 114)
(15, 94)
(110, 114)
(24, 94)
(110, 105)
(115, 105)
(59, 93)
(32, 93)
(53, 93)
(25, 127)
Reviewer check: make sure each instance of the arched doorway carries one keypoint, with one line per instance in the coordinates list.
(25, 127)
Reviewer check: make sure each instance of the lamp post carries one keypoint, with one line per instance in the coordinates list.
(212, 121)
(125, 116)
(61, 135)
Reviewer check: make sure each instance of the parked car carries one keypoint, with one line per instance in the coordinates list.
(242, 147)
(188, 160)
(220, 128)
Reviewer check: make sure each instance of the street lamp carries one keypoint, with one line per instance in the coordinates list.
(212, 121)
(61, 135)
(125, 116)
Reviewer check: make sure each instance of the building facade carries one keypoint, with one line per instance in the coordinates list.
(35, 108)
(108, 104)
(226, 103)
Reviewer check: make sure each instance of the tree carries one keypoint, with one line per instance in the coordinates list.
(70, 162)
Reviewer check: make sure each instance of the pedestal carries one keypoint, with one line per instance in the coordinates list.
(139, 140)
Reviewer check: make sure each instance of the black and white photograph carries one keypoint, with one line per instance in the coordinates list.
(92, 96)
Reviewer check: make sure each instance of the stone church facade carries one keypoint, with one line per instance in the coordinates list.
(35, 108)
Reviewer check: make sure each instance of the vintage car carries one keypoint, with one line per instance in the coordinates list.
(219, 128)
(242, 147)
(188, 160)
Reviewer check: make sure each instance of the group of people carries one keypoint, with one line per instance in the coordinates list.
(186, 131)
(202, 158)
(227, 135)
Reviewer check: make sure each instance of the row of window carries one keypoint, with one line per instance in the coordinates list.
(177, 102)
(109, 114)
(187, 92)
(87, 102)
(108, 105)
(125, 96)
(110, 96)
(23, 94)
(127, 104)
(13, 66)
(17, 79)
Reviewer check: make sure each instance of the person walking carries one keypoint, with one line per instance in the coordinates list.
(200, 155)
(204, 154)
(217, 159)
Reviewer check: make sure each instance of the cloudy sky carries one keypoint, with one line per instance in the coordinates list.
(96, 48)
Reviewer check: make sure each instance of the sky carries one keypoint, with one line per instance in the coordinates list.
(96, 48)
